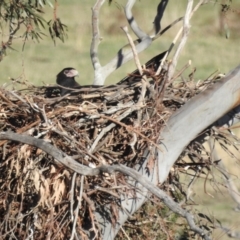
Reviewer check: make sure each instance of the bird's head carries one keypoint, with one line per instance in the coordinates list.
(67, 73)
(66, 78)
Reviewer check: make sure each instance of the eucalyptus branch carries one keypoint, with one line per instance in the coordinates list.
(125, 53)
(131, 20)
(186, 27)
(96, 39)
(157, 20)
(12, 32)
(137, 62)
(87, 171)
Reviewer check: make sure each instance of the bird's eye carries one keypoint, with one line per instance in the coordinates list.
(66, 72)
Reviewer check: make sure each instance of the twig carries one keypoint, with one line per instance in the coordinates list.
(77, 209)
(134, 130)
(89, 201)
(181, 71)
(141, 100)
(125, 54)
(7, 100)
(65, 223)
(186, 27)
(135, 55)
(112, 125)
(71, 193)
(125, 233)
(162, 62)
(93, 223)
(106, 190)
(96, 39)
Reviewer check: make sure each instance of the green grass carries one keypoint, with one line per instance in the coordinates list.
(220, 207)
(214, 200)
(208, 50)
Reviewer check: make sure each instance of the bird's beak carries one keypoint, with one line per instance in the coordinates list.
(72, 73)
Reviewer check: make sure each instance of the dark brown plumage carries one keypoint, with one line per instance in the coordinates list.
(153, 63)
(66, 78)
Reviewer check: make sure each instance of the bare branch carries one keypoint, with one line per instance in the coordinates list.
(77, 209)
(72, 203)
(133, 24)
(186, 27)
(181, 45)
(96, 38)
(197, 114)
(157, 20)
(71, 194)
(124, 55)
(60, 156)
(137, 62)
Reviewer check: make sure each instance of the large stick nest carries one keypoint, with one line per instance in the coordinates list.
(94, 125)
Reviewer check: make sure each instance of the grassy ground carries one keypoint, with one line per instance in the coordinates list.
(208, 50)
(213, 199)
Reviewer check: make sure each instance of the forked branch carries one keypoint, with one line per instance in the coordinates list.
(124, 54)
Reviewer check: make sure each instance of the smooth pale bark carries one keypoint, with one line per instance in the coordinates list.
(196, 115)
(183, 126)
(125, 53)
(129, 205)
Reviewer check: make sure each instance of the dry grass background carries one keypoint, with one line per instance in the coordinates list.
(208, 50)
(206, 47)
(214, 200)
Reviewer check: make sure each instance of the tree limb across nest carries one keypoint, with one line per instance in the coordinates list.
(96, 132)
(69, 162)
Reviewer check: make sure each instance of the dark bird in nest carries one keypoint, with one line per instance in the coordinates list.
(66, 79)
(67, 83)
(153, 64)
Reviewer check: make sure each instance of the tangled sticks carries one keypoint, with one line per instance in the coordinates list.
(96, 127)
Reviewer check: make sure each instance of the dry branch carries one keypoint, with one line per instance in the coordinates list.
(69, 162)
(125, 54)
(95, 41)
